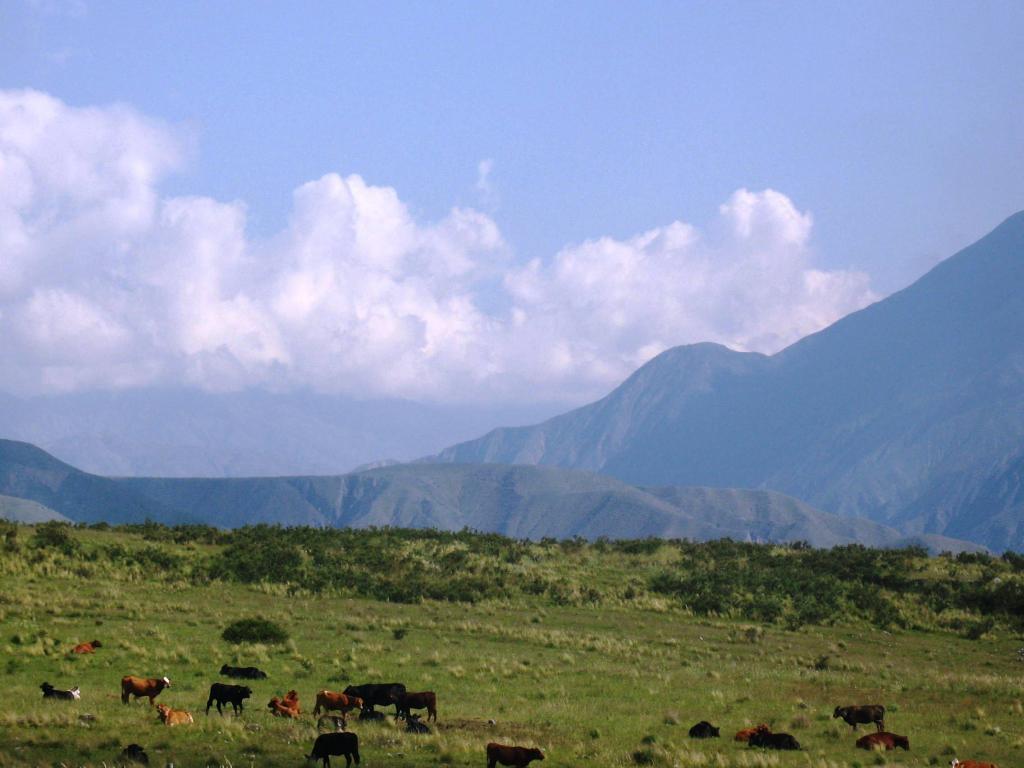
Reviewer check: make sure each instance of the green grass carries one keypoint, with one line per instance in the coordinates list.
(603, 681)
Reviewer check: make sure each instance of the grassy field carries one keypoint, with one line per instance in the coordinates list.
(611, 682)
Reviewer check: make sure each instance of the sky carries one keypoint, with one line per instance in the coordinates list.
(486, 202)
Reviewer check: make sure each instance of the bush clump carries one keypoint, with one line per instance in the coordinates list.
(255, 630)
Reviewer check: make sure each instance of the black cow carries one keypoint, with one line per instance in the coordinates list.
(248, 673)
(49, 692)
(773, 741)
(377, 694)
(369, 713)
(328, 744)
(222, 693)
(134, 753)
(703, 730)
(413, 725)
(866, 713)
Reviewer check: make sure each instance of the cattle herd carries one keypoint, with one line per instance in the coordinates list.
(340, 742)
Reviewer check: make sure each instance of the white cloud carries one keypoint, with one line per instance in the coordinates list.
(104, 283)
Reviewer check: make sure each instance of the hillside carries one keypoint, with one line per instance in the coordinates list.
(518, 501)
(908, 412)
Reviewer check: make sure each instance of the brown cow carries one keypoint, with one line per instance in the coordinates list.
(954, 763)
(746, 733)
(423, 700)
(87, 647)
(149, 687)
(883, 740)
(170, 716)
(514, 756)
(285, 707)
(329, 700)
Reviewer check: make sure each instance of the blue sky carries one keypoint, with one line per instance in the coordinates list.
(896, 129)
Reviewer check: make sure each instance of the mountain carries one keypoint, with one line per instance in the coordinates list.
(518, 501)
(189, 433)
(909, 412)
(25, 511)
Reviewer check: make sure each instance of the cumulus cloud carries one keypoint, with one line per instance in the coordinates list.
(106, 283)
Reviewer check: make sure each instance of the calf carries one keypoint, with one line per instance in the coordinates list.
(371, 714)
(249, 673)
(425, 700)
(49, 692)
(170, 716)
(746, 733)
(329, 700)
(773, 741)
(883, 740)
(515, 756)
(704, 730)
(328, 744)
(413, 725)
(149, 687)
(954, 763)
(282, 708)
(89, 647)
(221, 693)
(866, 713)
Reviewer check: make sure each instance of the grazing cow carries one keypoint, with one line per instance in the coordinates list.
(134, 753)
(49, 692)
(376, 694)
(425, 700)
(282, 707)
(704, 730)
(138, 687)
(954, 763)
(221, 693)
(773, 741)
(867, 713)
(883, 740)
(328, 744)
(746, 733)
(329, 700)
(87, 647)
(170, 716)
(248, 673)
(413, 725)
(514, 756)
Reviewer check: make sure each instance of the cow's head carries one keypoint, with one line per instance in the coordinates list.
(838, 712)
(96, 644)
(954, 763)
(902, 741)
(163, 710)
(715, 731)
(246, 691)
(536, 754)
(75, 693)
(224, 669)
(166, 682)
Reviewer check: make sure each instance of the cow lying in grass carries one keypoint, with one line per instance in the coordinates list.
(746, 733)
(773, 741)
(704, 730)
(170, 716)
(519, 757)
(285, 707)
(249, 673)
(89, 647)
(49, 692)
(954, 763)
(883, 740)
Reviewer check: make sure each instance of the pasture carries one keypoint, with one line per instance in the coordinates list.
(614, 678)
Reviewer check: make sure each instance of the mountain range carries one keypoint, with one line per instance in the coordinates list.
(518, 501)
(909, 412)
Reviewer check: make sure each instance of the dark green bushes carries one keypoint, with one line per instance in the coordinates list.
(255, 630)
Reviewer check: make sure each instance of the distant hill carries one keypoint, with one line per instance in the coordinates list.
(909, 412)
(518, 501)
(189, 433)
(25, 511)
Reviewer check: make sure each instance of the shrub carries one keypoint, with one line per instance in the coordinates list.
(255, 630)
